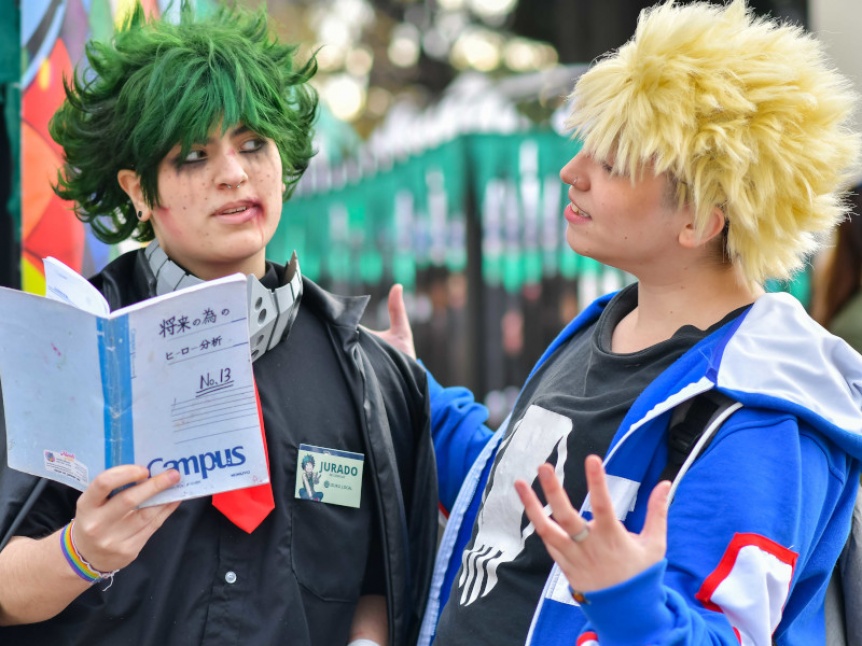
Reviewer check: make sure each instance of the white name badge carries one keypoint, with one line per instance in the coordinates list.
(328, 475)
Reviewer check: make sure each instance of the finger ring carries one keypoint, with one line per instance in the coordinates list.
(581, 536)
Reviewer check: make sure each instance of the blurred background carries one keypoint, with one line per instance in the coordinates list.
(439, 140)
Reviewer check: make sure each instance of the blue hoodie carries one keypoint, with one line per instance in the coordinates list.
(755, 526)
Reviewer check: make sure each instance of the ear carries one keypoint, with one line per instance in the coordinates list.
(689, 236)
(130, 182)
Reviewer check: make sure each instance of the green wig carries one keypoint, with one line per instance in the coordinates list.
(746, 114)
(158, 84)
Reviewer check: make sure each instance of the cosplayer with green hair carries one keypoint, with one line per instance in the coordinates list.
(158, 83)
(716, 146)
(190, 135)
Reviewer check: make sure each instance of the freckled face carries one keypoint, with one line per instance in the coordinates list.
(220, 204)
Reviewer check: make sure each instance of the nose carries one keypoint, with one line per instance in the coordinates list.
(231, 172)
(573, 174)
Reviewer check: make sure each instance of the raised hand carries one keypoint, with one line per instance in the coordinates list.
(399, 334)
(599, 553)
(109, 532)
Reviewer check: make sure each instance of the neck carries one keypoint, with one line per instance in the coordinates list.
(255, 266)
(700, 299)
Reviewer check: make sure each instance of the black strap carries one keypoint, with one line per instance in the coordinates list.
(687, 424)
(22, 513)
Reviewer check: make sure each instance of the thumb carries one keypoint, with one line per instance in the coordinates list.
(399, 334)
(398, 321)
(655, 525)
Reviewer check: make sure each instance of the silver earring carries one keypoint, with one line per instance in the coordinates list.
(229, 186)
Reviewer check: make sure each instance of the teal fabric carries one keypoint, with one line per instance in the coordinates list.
(10, 37)
(10, 101)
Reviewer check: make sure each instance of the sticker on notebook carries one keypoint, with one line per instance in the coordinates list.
(65, 464)
(328, 475)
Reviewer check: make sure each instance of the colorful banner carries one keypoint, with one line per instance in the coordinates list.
(53, 35)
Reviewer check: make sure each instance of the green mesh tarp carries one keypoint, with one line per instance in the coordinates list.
(352, 225)
(10, 101)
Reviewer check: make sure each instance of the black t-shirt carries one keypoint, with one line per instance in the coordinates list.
(201, 580)
(571, 408)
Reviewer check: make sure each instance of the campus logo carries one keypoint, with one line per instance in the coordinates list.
(202, 463)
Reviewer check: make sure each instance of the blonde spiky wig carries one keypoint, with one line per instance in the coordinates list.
(744, 112)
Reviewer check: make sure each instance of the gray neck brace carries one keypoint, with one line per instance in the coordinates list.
(271, 313)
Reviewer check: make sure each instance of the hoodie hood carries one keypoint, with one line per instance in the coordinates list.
(776, 356)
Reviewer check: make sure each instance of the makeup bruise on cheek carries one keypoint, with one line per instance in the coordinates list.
(169, 224)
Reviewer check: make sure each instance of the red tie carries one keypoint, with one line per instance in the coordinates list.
(246, 508)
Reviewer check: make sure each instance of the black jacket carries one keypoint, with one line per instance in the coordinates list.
(297, 577)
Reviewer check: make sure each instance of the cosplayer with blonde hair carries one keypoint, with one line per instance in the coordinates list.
(191, 134)
(742, 113)
(715, 149)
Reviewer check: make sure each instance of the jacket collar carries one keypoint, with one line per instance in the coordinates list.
(343, 311)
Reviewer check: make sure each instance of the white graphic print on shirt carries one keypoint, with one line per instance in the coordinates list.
(499, 538)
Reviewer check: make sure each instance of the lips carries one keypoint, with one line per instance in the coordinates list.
(578, 211)
(574, 215)
(238, 212)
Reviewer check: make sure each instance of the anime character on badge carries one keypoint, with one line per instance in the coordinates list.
(310, 477)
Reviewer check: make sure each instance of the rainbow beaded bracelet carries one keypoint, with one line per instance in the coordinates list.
(76, 561)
